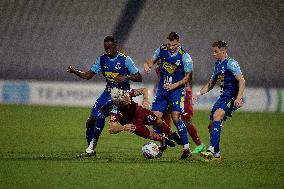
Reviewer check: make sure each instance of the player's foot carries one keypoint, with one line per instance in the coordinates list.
(161, 151)
(200, 148)
(88, 154)
(174, 136)
(185, 153)
(168, 141)
(209, 156)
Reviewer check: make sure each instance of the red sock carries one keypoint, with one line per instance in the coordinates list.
(154, 136)
(193, 134)
(164, 128)
(167, 119)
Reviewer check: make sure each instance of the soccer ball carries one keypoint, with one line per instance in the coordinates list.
(150, 150)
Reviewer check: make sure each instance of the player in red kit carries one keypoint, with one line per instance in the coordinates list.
(134, 118)
(186, 115)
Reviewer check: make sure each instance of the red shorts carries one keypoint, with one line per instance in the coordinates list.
(188, 109)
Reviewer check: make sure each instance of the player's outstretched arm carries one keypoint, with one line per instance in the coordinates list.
(238, 102)
(149, 64)
(145, 93)
(205, 89)
(84, 75)
(114, 128)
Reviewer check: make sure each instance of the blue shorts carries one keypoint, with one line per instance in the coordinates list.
(173, 98)
(226, 104)
(101, 101)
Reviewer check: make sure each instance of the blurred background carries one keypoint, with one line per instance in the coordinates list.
(39, 38)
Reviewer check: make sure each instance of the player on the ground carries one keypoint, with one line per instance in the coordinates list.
(175, 68)
(186, 115)
(228, 73)
(118, 69)
(134, 118)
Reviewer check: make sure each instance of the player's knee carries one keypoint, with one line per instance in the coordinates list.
(218, 115)
(90, 121)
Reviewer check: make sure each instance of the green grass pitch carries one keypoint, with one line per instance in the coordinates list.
(39, 144)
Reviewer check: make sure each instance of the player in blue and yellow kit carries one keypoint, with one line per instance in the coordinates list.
(118, 69)
(175, 69)
(228, 73)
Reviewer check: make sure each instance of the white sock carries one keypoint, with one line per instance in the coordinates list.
(186, 146)
(211, 149)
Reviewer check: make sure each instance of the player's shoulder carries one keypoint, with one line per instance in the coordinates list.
(182, 51)
(232, 62)
(163, 47)
(123, 55)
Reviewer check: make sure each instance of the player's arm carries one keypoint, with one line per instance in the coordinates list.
(207, 87)
(95, 69)
(234, 67)
(84, 75)
(134, 75)
(238, 102)
(115, 127)
(145, 93)
(150, 62)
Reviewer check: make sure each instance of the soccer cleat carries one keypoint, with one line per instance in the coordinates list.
(167, 141)
(209, 156)
(200, 148)
(161, 151)
(185, 153)
(88, 154)
(174, 136)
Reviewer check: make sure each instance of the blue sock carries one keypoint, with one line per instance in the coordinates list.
(89, 132)
(99, 125)
(182, 131)
(215, 135)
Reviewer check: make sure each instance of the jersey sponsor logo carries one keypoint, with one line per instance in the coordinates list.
(111, 75)
(221, 79)
(170, 68)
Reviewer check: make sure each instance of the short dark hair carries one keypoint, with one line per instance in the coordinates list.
(173, 36)
(219, 44)
(109, 39)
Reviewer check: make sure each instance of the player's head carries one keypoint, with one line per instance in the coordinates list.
(219, 49)
(173, 42)
(110, 46)
(120, 97)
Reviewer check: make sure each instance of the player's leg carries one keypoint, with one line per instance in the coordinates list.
(93, 132)
(192, 131)
(187, 118)
(218, 114)
(177, 99)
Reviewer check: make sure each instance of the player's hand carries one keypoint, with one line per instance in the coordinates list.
(147, 68)
(146, 103)
(120, 78)
(129, 127)
(169, 87)
(238, 102)
(70, 69)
